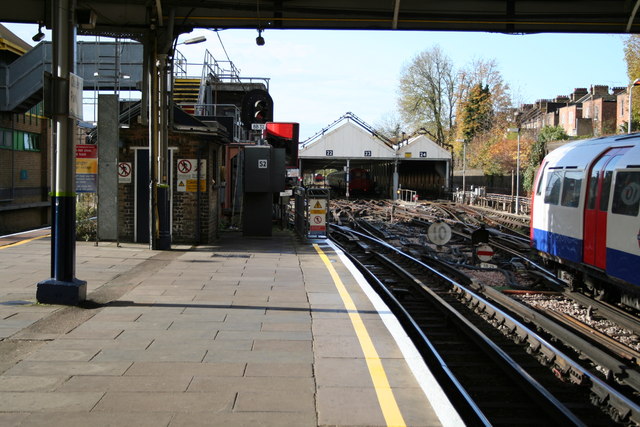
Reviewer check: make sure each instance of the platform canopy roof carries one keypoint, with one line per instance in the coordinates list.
(505, 16)
(347, 141)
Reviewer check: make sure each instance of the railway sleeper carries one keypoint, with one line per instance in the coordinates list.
(616, 408)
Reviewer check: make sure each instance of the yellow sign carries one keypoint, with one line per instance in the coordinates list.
(86, 165)
(192, 185)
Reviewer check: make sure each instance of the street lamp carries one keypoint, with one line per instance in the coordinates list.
(464, 166)
(517, 129)
(194, 40)
(636, 82)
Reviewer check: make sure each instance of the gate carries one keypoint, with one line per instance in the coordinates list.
(312, 211)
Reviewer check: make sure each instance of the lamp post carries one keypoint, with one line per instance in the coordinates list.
(464, 166)
(517, 129)
(636, 82)
(518, 175)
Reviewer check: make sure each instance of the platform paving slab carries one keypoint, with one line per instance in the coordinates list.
(246, 332)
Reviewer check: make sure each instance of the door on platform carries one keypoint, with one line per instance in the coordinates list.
(142, 180)
(596, 207)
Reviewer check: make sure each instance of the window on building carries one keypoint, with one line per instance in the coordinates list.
(596, 112)
(26, 141)
(626, 194)
(5, 138)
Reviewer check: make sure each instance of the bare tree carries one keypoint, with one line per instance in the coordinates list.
(428, 94)
(485, 72)
(391, 126)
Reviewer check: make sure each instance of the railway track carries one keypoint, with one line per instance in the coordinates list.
(490, 358)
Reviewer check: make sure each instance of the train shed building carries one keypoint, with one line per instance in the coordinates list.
(421, 164)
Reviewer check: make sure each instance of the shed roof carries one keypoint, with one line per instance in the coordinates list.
(348, 141)
(423, 148)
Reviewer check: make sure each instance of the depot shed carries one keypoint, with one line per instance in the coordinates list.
(421, 164)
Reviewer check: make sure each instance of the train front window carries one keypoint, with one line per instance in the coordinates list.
(626, 194)
(552, 192)
(571, 189)
(539, 187)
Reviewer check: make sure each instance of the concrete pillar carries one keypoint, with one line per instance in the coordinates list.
(108, 136)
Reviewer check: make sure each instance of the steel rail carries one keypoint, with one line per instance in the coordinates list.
(620, 405)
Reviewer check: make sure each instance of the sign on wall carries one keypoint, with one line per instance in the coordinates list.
(188, 175)
(86, 168)
(124, 172)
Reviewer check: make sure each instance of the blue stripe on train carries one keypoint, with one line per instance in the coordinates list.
(565, 247)
(622, 265)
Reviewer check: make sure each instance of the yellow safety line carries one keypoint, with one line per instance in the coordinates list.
(21, 242)
(386, 398)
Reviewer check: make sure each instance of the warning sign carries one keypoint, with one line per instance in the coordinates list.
(318, 215)
(124, 172)
(188, 175)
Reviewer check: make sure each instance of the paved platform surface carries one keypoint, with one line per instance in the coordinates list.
(247, 332)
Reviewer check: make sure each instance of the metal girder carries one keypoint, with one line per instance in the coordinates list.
(507, 16)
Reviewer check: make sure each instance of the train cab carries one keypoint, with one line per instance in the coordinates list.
(586, 204)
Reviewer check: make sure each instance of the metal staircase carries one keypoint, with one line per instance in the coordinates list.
(186, 93)
(23, 80)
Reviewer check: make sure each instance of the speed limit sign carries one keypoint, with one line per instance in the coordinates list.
(439, 233)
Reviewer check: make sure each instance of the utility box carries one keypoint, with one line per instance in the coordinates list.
(264, 174)
(258, 168)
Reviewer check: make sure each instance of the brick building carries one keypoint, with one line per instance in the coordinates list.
(24, 154)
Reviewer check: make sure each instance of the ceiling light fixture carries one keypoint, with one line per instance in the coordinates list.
(260, 39)
(40, 35)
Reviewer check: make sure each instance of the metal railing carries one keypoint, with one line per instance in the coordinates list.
(502, 202)
(407, 196)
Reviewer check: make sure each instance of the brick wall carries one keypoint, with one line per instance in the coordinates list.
(189, 225)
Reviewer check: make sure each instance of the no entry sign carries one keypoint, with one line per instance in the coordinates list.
(484, 253)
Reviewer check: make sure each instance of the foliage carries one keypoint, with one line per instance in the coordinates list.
(485, 72)
(86, 227)
(538, 151)
(632, 58)
(475, 113)
(470, 106)
(552, 133)
(428, 94)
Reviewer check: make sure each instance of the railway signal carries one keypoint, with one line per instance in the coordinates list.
(257, 107)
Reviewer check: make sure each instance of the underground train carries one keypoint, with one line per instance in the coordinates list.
(584, 216)
(359, 181)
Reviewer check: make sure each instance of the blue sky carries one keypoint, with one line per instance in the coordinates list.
(317, 76)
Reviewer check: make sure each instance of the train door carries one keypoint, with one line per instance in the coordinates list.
(594, 250)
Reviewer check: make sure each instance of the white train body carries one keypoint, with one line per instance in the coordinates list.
(585, 207)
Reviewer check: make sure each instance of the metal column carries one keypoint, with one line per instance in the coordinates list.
(63, 287)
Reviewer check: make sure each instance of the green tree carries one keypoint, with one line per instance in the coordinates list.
(475, 113)
(428, 94)
(632, 58)
(538, 151)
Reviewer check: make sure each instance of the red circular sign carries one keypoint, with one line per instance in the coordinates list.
(184, 166)
(484, 253)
